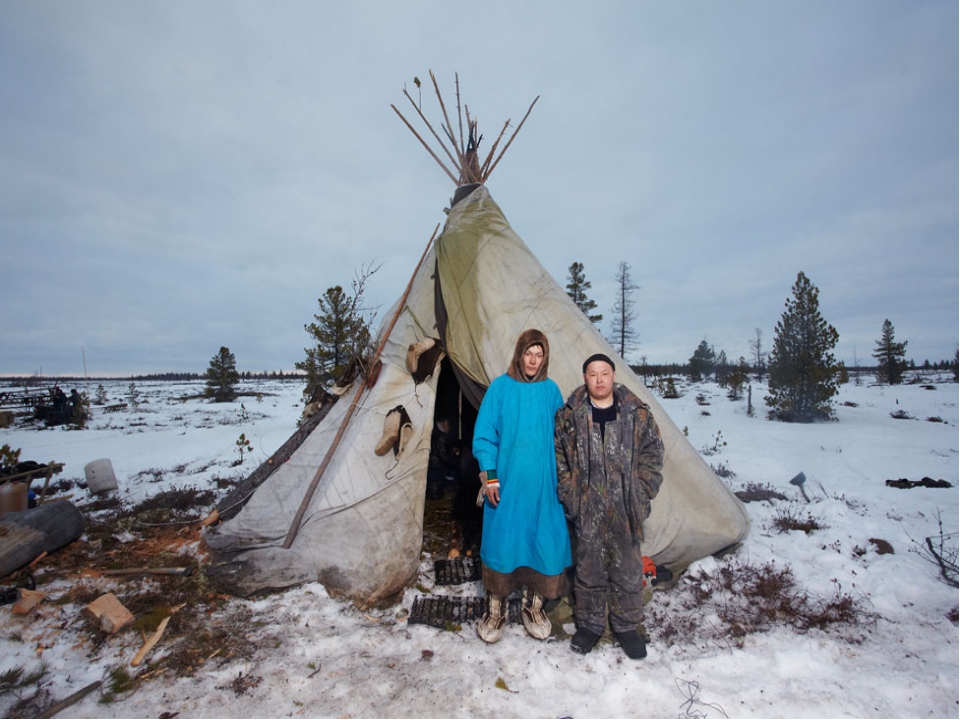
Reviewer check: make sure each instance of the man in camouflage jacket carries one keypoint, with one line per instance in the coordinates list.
(609, 462)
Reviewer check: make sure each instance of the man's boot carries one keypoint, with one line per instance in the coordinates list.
(535, 620)
(633, 644)
(584, 641)
(490, 627)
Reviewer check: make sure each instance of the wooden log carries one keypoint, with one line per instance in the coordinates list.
(26, 534)
(70, 700)
(185, 571)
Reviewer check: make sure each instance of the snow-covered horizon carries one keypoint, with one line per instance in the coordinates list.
(316, 656)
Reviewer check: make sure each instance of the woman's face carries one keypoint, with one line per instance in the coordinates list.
(532, 360)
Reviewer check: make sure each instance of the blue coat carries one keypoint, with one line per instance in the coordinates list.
(514, 436)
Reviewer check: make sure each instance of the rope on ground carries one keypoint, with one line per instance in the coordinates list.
(689, 689)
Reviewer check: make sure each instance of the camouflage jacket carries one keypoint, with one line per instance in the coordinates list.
(630, 453)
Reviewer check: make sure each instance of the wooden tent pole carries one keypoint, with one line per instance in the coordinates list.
(445, 116)
(432, 154)
(486, 163)
(511, 138)
(426, 122)
(308, 496)
(463, 149)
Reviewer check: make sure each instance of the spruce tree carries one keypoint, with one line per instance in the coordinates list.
(222, 376)
(738, 378)
(889, 355)
(802, 369)
(577, 290)
(701, 363)
(340, 334)
(721, 369)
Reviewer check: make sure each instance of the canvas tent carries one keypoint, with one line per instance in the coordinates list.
(360, 532)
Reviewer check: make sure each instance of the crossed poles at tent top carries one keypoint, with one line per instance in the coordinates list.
(462, 155)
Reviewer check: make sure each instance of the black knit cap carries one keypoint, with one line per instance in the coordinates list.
(599, 356)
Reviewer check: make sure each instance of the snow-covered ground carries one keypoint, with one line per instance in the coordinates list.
(316, 656)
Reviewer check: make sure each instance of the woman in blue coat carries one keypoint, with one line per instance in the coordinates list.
(525, 541)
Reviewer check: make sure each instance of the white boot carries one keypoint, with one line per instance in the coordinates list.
(535, 620)
(490, 627)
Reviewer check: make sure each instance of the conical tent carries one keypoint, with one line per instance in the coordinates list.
(361, 530)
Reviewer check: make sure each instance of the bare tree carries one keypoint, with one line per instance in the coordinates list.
(625, 335)
(758, 354)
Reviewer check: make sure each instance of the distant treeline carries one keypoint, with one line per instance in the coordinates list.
(681, 369)
(173, 377)
(644, 370)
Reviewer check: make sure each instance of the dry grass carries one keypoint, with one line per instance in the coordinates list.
(738, 599)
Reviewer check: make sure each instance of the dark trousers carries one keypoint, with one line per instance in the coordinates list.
(608, 561)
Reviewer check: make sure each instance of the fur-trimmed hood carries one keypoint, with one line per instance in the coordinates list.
(527, 339)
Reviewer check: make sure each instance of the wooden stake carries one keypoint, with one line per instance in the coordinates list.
(305, 503)
(212, 518)
(148, 646)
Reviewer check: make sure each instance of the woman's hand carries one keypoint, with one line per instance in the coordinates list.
(490, 489)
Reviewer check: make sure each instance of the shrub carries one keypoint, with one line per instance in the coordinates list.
(754, 492)
(787, 519)
(723, 470)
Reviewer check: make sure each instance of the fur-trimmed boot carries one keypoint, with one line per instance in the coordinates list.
(535, 620)
(414, 352)
(490, 627)
(406, 432)
(391, 431)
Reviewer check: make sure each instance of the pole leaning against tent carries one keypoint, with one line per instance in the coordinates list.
(308, 495)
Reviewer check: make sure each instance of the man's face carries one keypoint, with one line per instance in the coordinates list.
(599, 378)
(532, 360)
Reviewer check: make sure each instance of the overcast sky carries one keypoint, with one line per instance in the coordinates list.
(177, 176)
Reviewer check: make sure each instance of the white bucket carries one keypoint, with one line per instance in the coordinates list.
(100, 477)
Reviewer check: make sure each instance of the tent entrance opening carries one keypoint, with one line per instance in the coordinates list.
(452, 521)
